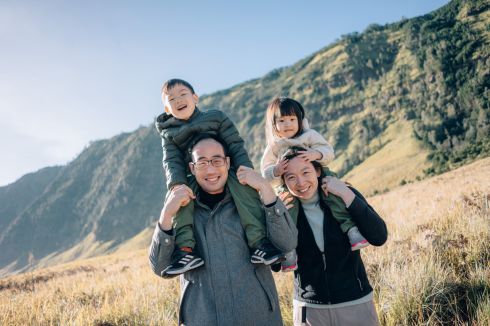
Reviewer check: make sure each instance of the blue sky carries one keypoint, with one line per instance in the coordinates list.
(72, 72)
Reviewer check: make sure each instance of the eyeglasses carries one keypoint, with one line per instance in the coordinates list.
(216, 162)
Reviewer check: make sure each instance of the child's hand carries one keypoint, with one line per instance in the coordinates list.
(310, 155)
(180, 195)
(247, 176)
(287, 199)
(280, 167)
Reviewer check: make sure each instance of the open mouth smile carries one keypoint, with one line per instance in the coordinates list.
(301, 191)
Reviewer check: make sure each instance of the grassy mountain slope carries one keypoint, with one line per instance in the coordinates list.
(17, 196)
(397, 102)
(106, 195)
(401, 159)
(431, 70)
(432, 271)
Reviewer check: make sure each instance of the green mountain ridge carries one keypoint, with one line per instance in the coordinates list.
(109, 193)
(397, 102)
(432, 70)
(21, 194)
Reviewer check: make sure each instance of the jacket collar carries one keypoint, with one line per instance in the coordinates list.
(166, 120)
(223, 201)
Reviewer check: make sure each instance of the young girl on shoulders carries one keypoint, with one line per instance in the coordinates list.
(286, 126)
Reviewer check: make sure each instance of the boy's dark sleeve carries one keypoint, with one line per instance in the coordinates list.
(229, 134)
(370, 224)
(173, 164)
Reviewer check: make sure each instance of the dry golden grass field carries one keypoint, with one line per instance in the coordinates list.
(434, 269)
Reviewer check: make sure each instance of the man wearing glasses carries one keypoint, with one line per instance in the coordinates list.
(228, 289)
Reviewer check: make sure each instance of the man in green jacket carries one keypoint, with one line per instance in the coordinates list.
(228, 290)
(179, 126)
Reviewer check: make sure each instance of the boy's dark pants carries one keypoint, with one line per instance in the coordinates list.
(249, 207)
(335, 203)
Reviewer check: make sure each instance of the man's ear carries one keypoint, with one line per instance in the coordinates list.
(228, 162)
(192, 168)
(195, 98)
(167, 110)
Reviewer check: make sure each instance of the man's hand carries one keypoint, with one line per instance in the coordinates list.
(338, 188)
(247, 176)
(310, 155)
(180, 195)
(280, 167)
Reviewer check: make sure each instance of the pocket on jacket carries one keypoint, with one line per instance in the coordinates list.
(185, 293)
(268, 293)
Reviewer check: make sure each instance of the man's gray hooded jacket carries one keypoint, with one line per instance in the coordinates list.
(228, 289)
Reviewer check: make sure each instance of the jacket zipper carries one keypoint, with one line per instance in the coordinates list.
(326, 278)
(329, 300)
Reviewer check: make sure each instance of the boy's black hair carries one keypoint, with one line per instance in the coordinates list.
(203, 136)
(284, 106)
(171, 83)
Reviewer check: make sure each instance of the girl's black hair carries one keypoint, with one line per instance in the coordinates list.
(284, 106)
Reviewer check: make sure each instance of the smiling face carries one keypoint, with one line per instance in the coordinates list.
(287, 126)
(301, 178)
(180, 102)
(212, 179)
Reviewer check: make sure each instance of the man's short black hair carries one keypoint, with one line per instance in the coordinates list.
(203, 136)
